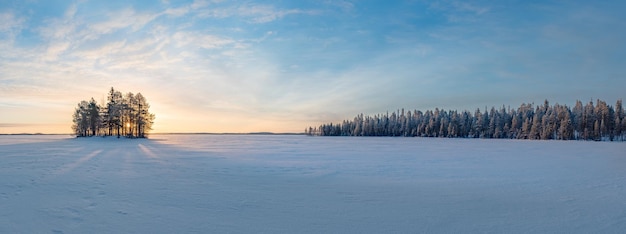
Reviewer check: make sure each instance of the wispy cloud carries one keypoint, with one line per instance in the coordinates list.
(60, 28)
(9, 22)
(298, 63)
(177, 12)
(464, 6)
(254, 13)
(55, 49)
(460, 11)
(195, 39)
(344, 5)
(126, 18)
(10, 26)
(265, 13)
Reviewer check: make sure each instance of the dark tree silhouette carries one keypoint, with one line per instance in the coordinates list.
(124, 115)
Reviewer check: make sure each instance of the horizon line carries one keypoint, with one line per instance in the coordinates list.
(170, 133)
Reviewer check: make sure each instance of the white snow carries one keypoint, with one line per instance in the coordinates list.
(299, 184)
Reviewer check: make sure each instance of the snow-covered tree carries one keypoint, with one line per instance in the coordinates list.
(127, 114)
(588, 122)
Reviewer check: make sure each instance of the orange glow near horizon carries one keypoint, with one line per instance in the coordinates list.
(168, 123)
(276, 66)
(170, 117)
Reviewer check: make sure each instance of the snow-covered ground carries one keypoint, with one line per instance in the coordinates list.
(299, 184)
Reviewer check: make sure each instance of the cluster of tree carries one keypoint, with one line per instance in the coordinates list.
(591, 121)
(123, 115)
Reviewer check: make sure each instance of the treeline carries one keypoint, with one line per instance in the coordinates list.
(123, 115)
(590, 121)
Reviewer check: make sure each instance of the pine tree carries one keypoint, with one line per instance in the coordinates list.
(589, 122)
(93, 116)
(578, 119)
(128, 115)
(623, 136)
(535, 129)
(114, 111)
(80, 119)
(619, 115)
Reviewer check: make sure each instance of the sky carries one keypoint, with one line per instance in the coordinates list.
(281, 66)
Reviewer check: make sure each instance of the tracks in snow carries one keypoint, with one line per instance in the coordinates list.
(84, 182)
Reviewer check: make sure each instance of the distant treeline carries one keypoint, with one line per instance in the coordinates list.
(591, 121)
(123, 115)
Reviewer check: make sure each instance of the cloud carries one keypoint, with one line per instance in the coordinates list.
(55, 49)
(197, 4)
(77, 29)
(177, 12)
(346, 6)
(60, 28)
(455, 6)
(227, 60)
(253, 13)
(15, 125)
(126, 18)
(10, 26)
(459, 11)
(183, 10)
(104, 51)
(9, 22)
(265, 13)
(206, 41)
(464, 6)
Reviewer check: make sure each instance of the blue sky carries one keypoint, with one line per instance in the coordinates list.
(245, 66)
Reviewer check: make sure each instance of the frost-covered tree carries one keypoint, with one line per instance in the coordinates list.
(93, 114)
(588, 122)
(86, 118)
(578, 119)
(126, 115)
(144, 118)
(80, 119)
(113, 116)
(619, 115)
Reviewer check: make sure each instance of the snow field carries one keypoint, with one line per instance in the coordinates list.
(299, 184)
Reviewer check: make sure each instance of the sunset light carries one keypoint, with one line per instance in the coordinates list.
(312, 116)
(255, 66)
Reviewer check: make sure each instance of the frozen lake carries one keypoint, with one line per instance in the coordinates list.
(300, 184)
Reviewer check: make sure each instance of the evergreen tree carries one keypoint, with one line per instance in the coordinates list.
(80, 119)
(578, 119)
(588, 122)
(128, 115)
(619, 115)
(93, 116)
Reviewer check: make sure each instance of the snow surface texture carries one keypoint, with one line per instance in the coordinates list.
(299, 184)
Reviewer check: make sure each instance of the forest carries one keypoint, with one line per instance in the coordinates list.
(123, 115)
(592, 121)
